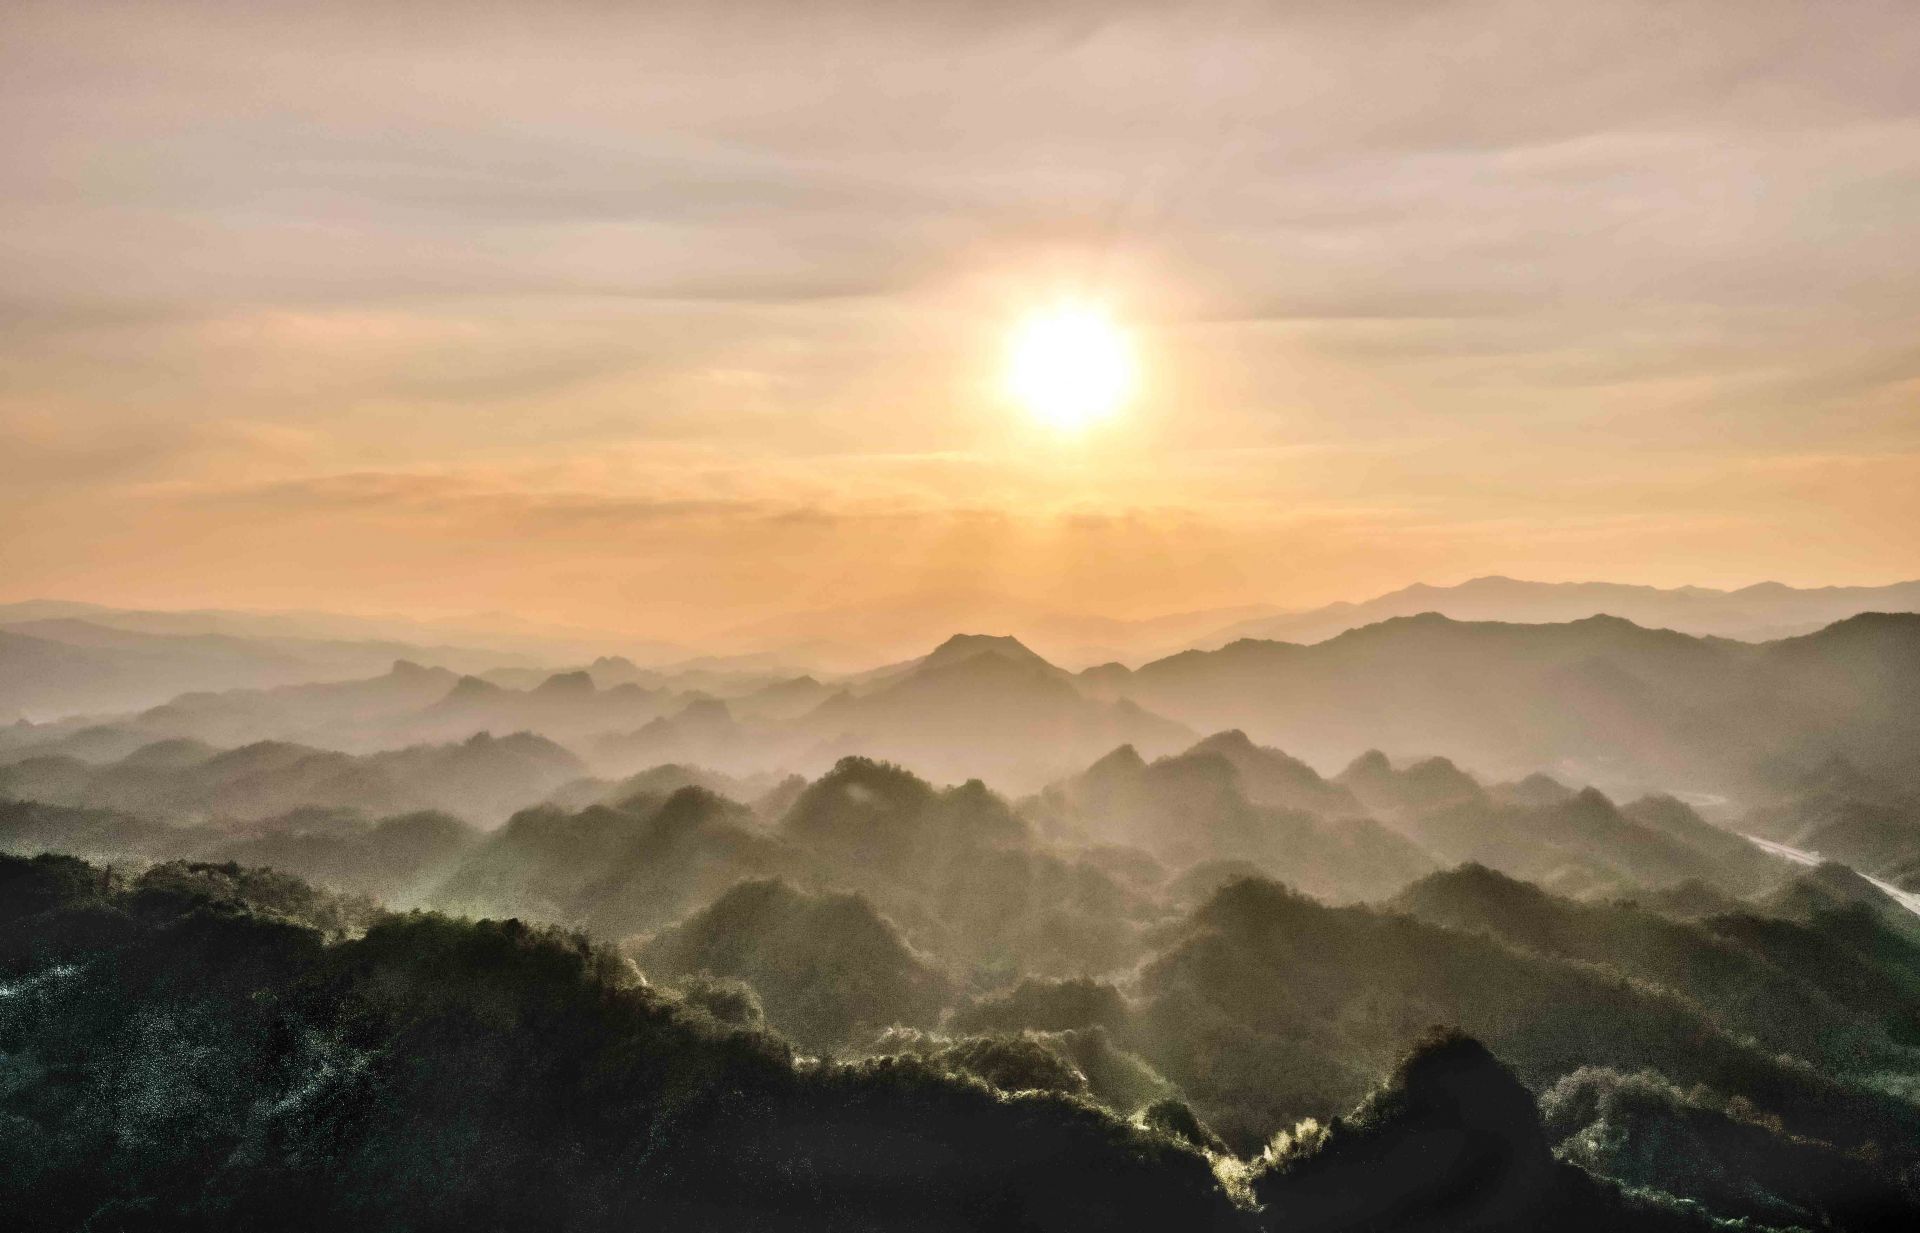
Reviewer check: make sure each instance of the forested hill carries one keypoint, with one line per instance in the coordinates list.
(212, 1048)
(216, 1047)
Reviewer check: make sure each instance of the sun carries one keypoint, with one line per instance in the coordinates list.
(1070, 365)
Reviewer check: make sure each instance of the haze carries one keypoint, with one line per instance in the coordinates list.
(968, 617)
(657, 320)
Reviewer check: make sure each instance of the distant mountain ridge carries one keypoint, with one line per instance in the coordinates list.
(1601, 699)
(52, 666)
(484, 778)
(1598, 700)
(502, 637)
(1764, 611)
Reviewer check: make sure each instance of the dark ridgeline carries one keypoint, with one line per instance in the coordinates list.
(343, 958)
(206, 1047)
(811, 722)
(213, 1046)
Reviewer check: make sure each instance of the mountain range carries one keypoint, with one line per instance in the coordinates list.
(1204, 949)
(103, 658)
(1599, 700)
(63, 665)
(1760, 612)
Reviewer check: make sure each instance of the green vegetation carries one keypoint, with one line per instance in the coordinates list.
(1194, 991)
(212, 1047)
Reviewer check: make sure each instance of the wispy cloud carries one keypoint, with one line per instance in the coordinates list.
(642, 287)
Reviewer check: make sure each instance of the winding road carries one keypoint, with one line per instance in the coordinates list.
(1909, 900)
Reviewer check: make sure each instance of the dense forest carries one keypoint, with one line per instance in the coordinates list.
(218, 1047)
(504, 981)
(725, 616)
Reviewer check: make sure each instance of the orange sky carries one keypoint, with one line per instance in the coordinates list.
(673, 318)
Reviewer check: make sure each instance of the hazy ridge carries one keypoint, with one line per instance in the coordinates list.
(971, 940)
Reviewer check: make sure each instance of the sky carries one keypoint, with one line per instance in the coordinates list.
(685, 318)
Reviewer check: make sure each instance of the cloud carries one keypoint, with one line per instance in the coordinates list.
(1462, 152)
(586, 279)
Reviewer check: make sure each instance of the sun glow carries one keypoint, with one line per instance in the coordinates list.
(1070, 366)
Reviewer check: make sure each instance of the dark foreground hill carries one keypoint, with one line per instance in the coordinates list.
(213, 1048)
(886, 925)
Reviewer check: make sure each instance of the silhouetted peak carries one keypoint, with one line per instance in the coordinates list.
(854, 786)
(1243, 648)
(1537, 790)
(1543, 782)
(406, 669)
(754, 898)
(1253, 903)
(1450, 1075)
(520, 742)
(692, 807)
(471, 687)
(1369, 765)
(1124, 760)
(1394, 626)
(856, 766)
(1451, 1141)
(1231, 741)
(1431, 776)
(693, 795)
(1469, 884)
(1592, 799)
(767, 906)
(566, 684)
(1602, 620)
(990, 670)
(966, 646)
(972, 792)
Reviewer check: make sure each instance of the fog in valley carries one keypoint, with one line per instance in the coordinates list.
(720, 616)
(1212, 940)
